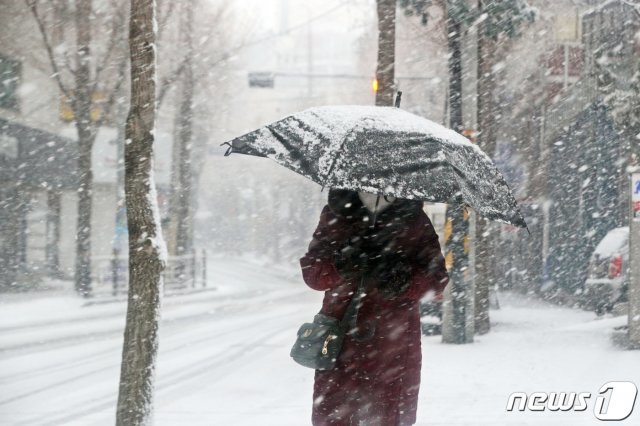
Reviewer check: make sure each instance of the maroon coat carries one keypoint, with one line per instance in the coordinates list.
(376, 379)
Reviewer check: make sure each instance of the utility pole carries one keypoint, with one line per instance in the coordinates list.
(309, 61)
(634, 260)
(385, 71)
(487, 116)
(457, 326)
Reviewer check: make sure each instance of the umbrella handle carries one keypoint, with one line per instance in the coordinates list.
(229, 150)
(375, 211)
(398, 99)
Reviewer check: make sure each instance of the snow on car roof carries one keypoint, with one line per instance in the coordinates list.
(613, 241)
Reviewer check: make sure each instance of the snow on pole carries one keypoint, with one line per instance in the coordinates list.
(634, 260)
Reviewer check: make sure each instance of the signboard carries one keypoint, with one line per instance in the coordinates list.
(261, 79)
(635, 196)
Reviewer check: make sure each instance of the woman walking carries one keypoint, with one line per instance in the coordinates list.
(391, 247)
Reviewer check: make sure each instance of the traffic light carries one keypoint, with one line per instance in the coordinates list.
(470, 134)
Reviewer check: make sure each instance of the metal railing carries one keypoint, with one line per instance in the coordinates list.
(111, 273)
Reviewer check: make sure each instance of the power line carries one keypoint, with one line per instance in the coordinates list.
(229, 53)
(343, 76)
(293, 28)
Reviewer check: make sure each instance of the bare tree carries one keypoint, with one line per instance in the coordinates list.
(147, 252)
(198, 73)
(495, 21)
(503, 20)
(181, 226)
(80, 75)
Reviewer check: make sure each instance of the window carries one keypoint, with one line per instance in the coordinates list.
(97, 101)
(9, 82)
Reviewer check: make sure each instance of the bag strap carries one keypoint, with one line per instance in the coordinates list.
(350, 318)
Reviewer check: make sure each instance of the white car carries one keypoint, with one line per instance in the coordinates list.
(608, 273)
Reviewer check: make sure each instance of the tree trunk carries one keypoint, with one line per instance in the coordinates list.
(487, 116)
(147, 252)
(53, 232)
(83, 232)
(484, 275)
(455, 328)
(11, 231)
(81, 104)
(385, 71)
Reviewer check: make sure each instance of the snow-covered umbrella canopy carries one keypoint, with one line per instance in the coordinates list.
(388, 151)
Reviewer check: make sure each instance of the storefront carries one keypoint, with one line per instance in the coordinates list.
(34, 165)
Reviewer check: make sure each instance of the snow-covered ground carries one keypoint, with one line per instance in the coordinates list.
(224, 358)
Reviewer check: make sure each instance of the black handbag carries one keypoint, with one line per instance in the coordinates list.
(319, 342)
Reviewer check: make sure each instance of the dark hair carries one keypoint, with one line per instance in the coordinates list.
(344, 202)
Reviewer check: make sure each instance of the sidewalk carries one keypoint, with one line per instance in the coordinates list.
(532, 347)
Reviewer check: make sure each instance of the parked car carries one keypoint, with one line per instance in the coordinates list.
(608, 272)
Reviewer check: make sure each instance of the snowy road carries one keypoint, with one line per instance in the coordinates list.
(224, 359)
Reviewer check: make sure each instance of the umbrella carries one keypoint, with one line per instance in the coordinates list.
(387, 151)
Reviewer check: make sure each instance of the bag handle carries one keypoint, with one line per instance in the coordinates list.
(349, 320)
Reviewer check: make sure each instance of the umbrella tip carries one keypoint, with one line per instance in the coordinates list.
(229, 150)
(398, 98)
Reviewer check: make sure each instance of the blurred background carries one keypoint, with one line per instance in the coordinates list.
(563, 122)
(561, 137)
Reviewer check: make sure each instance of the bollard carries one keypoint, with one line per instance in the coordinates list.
(193, 268)
(114, 272)
(204, 267)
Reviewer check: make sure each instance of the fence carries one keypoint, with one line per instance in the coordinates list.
(111, 273)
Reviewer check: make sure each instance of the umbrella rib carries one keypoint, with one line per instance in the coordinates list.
(460, 175)
(296, 151)
(333, 163)
(295, 154)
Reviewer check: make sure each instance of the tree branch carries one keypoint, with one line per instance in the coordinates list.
(635, 6)
(120, 78)
(33, 6)
(162, 21)
(117, 24)
(59, 8)
(169, 80)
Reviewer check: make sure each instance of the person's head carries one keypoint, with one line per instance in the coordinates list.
(370, 200)
(352, 203)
